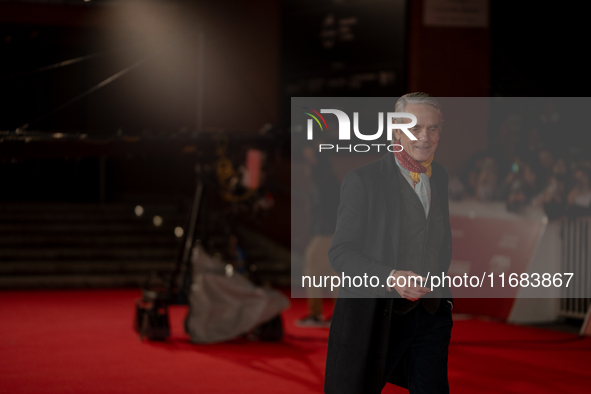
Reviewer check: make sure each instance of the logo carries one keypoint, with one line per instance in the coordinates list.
(345, 129)
(317, 121)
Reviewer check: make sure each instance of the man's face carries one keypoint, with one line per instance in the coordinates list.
(426, 131)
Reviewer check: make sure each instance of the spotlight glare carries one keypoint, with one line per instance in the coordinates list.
(178, 231)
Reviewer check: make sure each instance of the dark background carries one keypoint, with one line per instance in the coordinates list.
(138, 137)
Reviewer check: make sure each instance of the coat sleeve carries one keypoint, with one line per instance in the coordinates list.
(346, 254)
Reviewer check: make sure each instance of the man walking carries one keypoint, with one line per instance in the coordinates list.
(393, 223)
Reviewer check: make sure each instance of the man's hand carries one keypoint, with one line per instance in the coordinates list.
(411, 291)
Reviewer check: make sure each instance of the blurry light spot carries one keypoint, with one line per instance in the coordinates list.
(229, 270)
(58, 135)
(157, 220)
(139, 210)
(178, 231)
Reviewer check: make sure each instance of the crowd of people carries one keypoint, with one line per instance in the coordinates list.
(534, 171)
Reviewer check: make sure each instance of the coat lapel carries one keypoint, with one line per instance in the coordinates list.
(391, 194)
(409, 194)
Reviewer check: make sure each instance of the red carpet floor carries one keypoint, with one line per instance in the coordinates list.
(83, 342)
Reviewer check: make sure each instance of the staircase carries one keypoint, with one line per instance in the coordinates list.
(60, 245)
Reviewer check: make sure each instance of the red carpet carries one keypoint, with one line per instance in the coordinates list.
(83, 342)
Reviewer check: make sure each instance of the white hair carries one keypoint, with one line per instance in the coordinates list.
(416, 98)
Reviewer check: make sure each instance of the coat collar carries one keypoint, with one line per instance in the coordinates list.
(388, 164)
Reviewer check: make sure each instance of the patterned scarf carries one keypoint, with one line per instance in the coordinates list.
(415, 168)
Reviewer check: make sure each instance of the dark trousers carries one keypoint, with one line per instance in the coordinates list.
(418, 349)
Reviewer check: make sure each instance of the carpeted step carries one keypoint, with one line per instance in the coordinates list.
(85, 266)
(79, 240)
(85, 245)
(72, 281)
(51, 253)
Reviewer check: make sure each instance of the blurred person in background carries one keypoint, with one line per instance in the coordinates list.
(471, 174)
(479, 179)
(553, 197)
(486, 182)
(519, 186)
(579, 198)
(457, 190)
(323, 216)
(544, 160)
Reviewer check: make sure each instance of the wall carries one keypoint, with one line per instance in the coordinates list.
(451, 62)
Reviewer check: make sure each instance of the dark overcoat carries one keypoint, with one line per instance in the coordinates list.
(366, 242)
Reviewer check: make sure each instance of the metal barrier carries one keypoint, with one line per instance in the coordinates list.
(576, 258)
